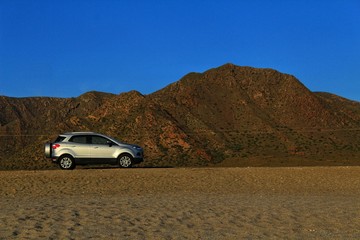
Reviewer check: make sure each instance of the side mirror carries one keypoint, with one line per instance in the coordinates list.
(110, 143)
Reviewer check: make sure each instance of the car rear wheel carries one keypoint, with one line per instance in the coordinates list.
(125, 160)
(66, 162)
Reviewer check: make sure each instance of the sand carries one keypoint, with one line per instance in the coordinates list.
(181, 203)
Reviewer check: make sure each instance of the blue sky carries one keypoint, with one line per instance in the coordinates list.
(65, 48)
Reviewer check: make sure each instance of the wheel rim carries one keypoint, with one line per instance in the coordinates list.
(66, 162)
(125, 161)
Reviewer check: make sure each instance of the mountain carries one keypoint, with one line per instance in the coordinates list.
(226, 116)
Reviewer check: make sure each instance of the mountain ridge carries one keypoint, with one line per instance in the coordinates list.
(231, 115)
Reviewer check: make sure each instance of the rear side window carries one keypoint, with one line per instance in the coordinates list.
(60, 139)
(78, 139)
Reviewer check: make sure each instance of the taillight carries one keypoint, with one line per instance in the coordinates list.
(55, 146)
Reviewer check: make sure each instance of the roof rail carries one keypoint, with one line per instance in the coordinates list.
(73, 133)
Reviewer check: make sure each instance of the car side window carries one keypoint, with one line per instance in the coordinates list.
(78, 139)
(99, 140)
(60, 139)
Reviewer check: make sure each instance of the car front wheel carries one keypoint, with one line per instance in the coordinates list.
(125, 160)
(67, 162)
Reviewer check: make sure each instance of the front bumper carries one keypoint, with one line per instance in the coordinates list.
(138, 160)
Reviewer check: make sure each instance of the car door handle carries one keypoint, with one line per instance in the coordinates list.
(96, 147)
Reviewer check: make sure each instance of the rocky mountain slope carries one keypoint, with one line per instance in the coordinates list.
(226, 116)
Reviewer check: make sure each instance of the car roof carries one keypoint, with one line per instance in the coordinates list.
(81, 133)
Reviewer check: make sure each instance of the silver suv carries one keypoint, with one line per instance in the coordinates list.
(82, 148)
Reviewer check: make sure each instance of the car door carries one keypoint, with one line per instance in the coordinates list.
(79, 145)
(101, 151)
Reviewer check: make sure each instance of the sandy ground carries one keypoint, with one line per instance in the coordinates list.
(181, 203)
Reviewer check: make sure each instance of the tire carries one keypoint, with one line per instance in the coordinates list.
(48, 152)
(125, 160)
(66, 162)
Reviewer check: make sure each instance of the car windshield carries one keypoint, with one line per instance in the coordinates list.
(116, 140)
